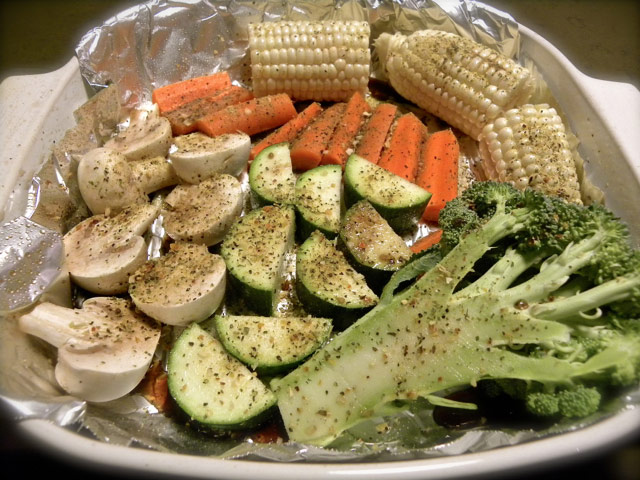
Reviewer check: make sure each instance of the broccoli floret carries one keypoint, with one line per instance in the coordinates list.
(569, 402)
(532, 292)
(542, 404)
(578, 402)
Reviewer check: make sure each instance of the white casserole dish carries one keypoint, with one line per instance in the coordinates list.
(37, 110)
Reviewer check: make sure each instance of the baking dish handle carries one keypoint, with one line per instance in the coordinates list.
(618, 104)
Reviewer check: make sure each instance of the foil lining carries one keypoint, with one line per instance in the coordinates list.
(153, 44)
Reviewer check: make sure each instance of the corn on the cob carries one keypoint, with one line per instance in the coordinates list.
(310, 60)
(528, 147)
(462, 82)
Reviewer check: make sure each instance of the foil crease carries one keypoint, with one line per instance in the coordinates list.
(154, 44)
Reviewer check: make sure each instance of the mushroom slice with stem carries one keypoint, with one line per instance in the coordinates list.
(203, 212)
(104, 348)
(185, 285)
(102, 251)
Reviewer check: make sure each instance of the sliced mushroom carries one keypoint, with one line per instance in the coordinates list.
(148, 135)
(197, 156)
(185, 285)
(104, 348)
(203, 213)
(108, 180)
(103, 251)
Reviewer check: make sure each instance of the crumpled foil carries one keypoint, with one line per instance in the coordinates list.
(150, 45)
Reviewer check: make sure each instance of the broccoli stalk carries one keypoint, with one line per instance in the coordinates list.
(520, 318)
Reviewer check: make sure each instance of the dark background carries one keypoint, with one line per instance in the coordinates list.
(601, 37)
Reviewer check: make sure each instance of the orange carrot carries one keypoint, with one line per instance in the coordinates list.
(251, 117)
(306, 150)
(439, 171)
(402, 156)
(426, 242)
(344, 134)
(183, 119)
(375, 130)
(177, 94)
(289, 130)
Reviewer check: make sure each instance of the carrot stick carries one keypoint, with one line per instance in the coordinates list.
(374, 132)
(251, 117)
(183, 119)
(439, 171)
(426, 242)
(402, 157)
(306, 150)
(177, 94)
(345, 132)
(289, 130)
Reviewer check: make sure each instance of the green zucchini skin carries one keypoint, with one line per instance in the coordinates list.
(214, 389)
(371, 245)
(327, 285)
(272, 345)
(400, 202)
(254, 252)
(271, 176)
(318, 200)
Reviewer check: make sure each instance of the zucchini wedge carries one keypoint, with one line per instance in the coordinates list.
(270, 345)
(372, 246)
(271, 176)
(399, 201)
(254, 251)
(327, 285)
(213, 388)
(318, 199)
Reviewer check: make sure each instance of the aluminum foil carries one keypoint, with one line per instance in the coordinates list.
(150, 45)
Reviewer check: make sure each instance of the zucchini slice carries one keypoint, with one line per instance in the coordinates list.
(254, 251)
(271, 176)
(399, 201)
(372, 246)
(215, 389)
(327, 285)
(270, 345)
(318, 197)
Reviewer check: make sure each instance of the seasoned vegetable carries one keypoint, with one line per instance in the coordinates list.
(402, 155)
(270, 345)
(528, 147)
(102, 251)
(399, 201)
(104, 348)
(252, 116)
(373, 134)
(254, 251)
(343, 139)
(197, 156)
(175, 95)
(216, 390)
(183, 119)
(571, 323)
(308, 147)
(438, 171)
(288, 131)
(372, 246)
(327, 285)
(185, 285)
(271, 176)
(203, 212)
(318, 200)
(464, 83)
(310, 60)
